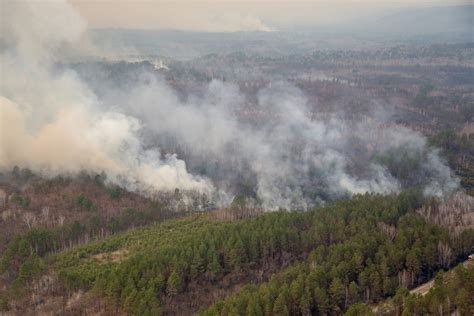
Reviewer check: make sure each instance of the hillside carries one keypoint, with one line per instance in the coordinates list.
(232, 159)
(371, 246)
(415, 22)
(82, 207)
(448, 292)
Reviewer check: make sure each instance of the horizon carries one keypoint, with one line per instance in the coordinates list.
(229, 16)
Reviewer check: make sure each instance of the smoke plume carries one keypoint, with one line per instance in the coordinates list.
(290, 158)
(51, 122)
(148, 137)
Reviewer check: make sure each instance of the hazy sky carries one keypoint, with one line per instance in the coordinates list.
(227, 15)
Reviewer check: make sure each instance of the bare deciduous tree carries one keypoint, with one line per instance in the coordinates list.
(45, 214)
(29, 219)
(61, 220)
(445, 254)
(390, 230)
(454, 213)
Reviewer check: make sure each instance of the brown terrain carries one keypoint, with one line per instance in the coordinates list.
(39, 203)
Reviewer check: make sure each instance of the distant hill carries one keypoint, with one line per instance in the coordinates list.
(422, 24)
(189, 45)
(428, 22)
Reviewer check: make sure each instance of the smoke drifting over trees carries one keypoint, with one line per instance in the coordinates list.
(147, 137)
(50, 120)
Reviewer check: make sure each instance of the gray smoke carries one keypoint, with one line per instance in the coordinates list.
(290, 158)
(51, 122)
(148, 137)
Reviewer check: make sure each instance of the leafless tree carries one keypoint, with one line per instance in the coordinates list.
(455, 213)
(444, 254)
(6, 215)
(61, 220)
(404, 278)
(389, 230)
(29, 219)
(45, 214)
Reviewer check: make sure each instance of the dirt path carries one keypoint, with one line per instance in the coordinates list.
(423, 289)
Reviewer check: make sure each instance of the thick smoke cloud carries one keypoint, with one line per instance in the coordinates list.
(50, 120)
(148, 137)
(289, 158)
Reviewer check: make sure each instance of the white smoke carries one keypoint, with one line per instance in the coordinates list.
(235, 22)
(291, 159)
(51, 122)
